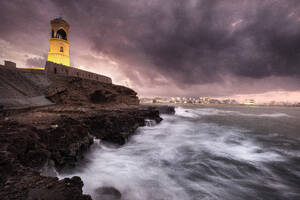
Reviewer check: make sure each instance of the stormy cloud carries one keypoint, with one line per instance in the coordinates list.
(215, 47)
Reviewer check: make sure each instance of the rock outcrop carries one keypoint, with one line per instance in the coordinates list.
(163, 109)
(28, 88)
(57, 136)
(26, 184)
(25, 149)
(34, 140)
(77, 91)
(117, 126)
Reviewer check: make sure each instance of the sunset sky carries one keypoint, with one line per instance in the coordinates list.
(232, 48)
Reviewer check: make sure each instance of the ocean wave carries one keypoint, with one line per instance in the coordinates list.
(186, 159)
(179, 111)
(274, 115)
(196, 113)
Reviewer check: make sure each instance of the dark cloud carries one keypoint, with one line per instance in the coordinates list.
(195, 42)
(190, 42)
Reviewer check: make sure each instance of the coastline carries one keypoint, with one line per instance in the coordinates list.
(216, 105)
(36, 141)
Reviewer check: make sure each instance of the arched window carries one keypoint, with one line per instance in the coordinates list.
(55, 70)
(61, 49)
(61, 34)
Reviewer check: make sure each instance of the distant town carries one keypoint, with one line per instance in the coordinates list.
(212, 101)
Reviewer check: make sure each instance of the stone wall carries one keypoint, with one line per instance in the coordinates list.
(21, 88)
(8, 65)
(54, 69)
(61, 70)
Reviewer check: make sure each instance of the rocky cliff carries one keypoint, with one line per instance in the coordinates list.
(36, 138)
(70, 90)
(56, 137)
(22, 88)
(25, 150)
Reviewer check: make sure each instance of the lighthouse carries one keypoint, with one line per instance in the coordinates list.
(59, 46)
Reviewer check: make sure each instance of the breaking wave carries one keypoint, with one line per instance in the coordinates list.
(194, 113)
(185, 159)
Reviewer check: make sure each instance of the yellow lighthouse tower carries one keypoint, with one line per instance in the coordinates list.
(59, 45)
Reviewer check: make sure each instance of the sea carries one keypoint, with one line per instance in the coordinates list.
(202, 153)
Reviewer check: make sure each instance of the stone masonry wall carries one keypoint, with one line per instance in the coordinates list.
(61, 70)
(27, 87)
(54, 69)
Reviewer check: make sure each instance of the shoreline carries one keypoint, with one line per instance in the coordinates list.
(217, 105)
(35, 141)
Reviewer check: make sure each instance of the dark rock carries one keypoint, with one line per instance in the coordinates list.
(117, 126)
(18, 182)
(66, 139)
(102, 97)
(82, 92)
(170, 110)
(31, 186)
(59, 190)
(23, 143)
(36, 139)
(57, 137)
(25, 149)
(107, 193)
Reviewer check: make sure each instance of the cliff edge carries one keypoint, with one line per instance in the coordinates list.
(31, 88)
(36, 138)
(78, 91)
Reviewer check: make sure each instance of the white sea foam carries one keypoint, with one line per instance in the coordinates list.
(233, 146)
(177, 159)
(274, 115)
(179, 111)
(197, 113)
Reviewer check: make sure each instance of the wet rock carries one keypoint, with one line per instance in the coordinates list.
(117, 126)
(37, 141)
(107, 193)
(34, 143)
(67, 141)
(65, 189)
(24, 149)
(23, 143)
(18, 182)
(170, 110)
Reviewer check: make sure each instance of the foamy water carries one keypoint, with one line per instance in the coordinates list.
(194, 113)
(193, 155)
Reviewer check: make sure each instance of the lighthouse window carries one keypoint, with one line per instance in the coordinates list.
(61, 34)
(61, 49)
